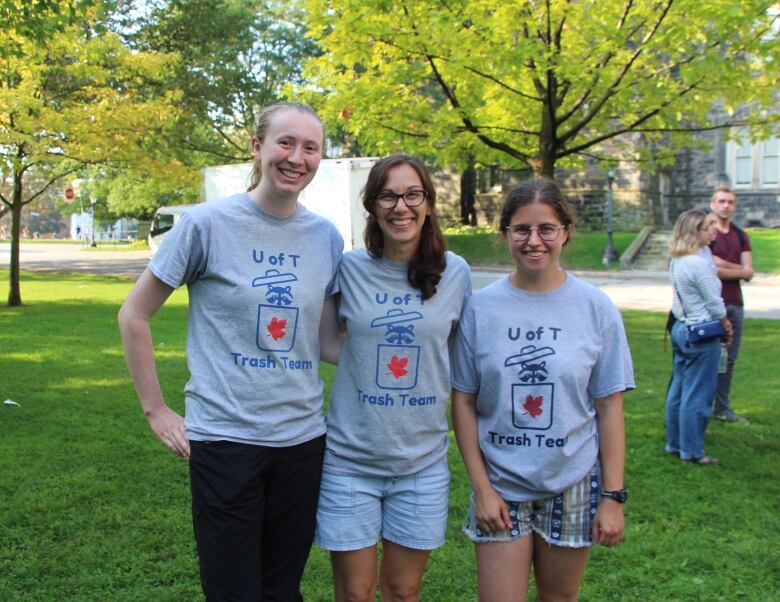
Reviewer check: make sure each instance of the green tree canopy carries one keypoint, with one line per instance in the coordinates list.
(79, 99)
(538, 83)
(236, 57)
(36, 20)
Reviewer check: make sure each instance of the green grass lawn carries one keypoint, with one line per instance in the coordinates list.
(93, 508)
(482, 246)
(765, 243)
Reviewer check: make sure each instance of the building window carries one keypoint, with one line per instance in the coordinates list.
(770, 162)
(753, 165)
(743, 163)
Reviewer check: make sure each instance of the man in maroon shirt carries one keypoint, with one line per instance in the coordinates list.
(733, 258)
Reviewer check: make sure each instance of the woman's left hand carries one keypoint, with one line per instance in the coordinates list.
(608, 524)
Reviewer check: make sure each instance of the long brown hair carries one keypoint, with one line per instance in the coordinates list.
(264, 121)
(424, 269)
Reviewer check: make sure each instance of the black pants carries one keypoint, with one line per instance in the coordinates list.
(253, 512)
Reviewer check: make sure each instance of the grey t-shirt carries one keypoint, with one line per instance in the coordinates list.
(256, 286)
(536, 361)
(388, 411)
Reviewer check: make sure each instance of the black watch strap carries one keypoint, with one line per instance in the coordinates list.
(619, 495)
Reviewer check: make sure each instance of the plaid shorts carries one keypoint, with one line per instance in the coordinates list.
(565, 519)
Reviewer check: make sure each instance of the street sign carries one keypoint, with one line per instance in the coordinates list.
(69, 194)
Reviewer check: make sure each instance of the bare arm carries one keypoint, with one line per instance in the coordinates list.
(331, 339)
(609, 523)
(492, 511)
(147, 296)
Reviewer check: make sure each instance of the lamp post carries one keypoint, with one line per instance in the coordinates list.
(610, 255)
(92, 201)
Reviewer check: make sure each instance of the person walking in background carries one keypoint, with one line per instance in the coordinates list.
(696, 299)
(539, 368)
(385, 472)
(260, 270)
(734, 259)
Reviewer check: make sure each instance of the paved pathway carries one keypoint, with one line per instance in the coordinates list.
(629, 290)
(62, 257)
(652, 291)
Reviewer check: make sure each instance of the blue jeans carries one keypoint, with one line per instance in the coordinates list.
(736, 315)
(689, 398)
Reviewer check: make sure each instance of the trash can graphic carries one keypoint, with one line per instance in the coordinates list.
(398, 360)
(277, 320)
(532, 398)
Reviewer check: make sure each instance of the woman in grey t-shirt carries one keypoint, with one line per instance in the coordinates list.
(539, 368)
(385, 472)
(258, 268)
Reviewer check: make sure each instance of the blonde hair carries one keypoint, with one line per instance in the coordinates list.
(722, 188)
(264, 122)
(685, 236)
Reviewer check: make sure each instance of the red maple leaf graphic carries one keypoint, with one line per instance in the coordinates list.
(397, 366)
(533, 405)
(276, 328)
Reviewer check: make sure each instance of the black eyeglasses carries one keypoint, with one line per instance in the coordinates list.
(412, 198)
(547, 232)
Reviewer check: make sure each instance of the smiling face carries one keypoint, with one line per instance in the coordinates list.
(536, 260)
(401, 225)
(289, 155)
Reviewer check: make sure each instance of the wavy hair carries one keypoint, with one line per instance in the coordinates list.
(685, 235)
(424, 269)
(264, 122)
(537, 190)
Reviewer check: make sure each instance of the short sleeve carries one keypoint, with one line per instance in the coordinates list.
(613, 371)
(182, 257)
(746, 248)
(464, 375)
(336, 251)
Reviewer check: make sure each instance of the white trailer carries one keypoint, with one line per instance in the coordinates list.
(334, 193)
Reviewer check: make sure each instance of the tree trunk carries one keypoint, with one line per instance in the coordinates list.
(468, 195)
(14, 292)
(544, 165)
(547, 166)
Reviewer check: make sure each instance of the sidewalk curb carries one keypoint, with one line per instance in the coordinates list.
(759, 279)
(616, 274)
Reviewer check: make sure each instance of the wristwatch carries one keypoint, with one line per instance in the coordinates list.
(619, 495)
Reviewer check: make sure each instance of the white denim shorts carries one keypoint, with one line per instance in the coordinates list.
(565, 519)
(411, 511)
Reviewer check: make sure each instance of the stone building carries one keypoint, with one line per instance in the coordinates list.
(643, 196)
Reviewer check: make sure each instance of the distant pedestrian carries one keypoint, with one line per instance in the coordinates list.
(696, 299)
(539, 368)
(734, 260)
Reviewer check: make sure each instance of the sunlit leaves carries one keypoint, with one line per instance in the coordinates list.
(514, 81)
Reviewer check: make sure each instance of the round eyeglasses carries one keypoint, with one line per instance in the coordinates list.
(547, 232)
(412, 198)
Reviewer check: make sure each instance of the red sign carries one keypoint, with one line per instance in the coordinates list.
(69, 194)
